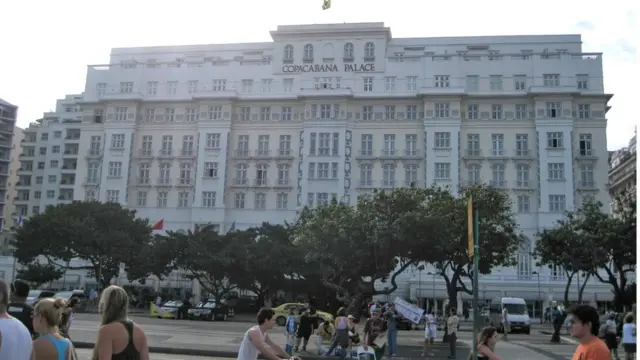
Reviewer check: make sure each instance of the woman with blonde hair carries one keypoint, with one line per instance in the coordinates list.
(487, 340)
(118, 338)
(50, 345)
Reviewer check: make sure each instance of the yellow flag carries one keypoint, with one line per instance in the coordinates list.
(326, 4)
(470, 226)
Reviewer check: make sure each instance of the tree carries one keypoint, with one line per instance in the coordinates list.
(155, 258)
(448, 251)
(37, 274)
(565, 249)
(212, 258)
(103, 234)
(350, 248)
(271, 259)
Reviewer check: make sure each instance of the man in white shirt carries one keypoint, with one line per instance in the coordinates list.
(15, 339)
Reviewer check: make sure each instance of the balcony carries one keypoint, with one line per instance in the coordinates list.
(67, 182)
(94, 153)
(366, 184)
(23, 184)
(240, 181)
(145, 153)
(411, 153)
(187, 153)
(5, 143)
(283, 183)
(163, 181)
(389, 153)
(415, 183)
(470, 183)
(523, 154)
(284, 154)
(69, 167)
(241, 153)
(586, 154)
(587, 186)
(165, 154)
(497, 155)
(365, 154)
(143, 181)
(74, 137)
(185, 182)
(473, 154)
(523, 185)
(262, 154)
(498, 184)
(388, 184)
(70, 153)
(261, 182)
(91, 181)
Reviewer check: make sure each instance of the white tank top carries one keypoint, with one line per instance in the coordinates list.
(431, 320)
(16, 340)
(248, 351)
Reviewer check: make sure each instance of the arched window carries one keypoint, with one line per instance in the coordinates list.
(369, 51)
(348, 51)
(524, 260)
(288, 52)
(308, 52)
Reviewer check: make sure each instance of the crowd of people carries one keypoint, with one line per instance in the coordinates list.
(41, 332)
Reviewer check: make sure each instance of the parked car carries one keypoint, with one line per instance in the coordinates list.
(282, 312)
(78, 294)
(35, 295)
(209, 310)
(168, 310)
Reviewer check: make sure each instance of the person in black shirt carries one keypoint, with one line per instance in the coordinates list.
(18, 307)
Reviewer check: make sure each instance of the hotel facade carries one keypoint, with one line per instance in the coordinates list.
(245, 133)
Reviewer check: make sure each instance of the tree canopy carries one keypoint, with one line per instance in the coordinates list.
(103, 234)
(37, 274)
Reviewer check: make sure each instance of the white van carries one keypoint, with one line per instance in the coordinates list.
(518, 314)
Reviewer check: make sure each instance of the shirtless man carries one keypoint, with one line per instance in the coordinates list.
(255, 340)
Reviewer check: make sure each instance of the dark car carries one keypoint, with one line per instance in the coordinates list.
(209, 310)
(35, 295)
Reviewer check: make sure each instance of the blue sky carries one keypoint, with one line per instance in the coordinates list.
(46, 45)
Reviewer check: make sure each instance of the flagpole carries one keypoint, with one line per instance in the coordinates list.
(476, 275)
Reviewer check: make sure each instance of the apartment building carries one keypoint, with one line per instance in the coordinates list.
(245, 133)
(623, 172)
(47, 173)
(9, 214)
(8, 116)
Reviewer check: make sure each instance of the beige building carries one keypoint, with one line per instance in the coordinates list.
(8, 165)
(9, 217)
(622, 172)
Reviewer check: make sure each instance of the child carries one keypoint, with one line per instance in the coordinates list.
(290, 330)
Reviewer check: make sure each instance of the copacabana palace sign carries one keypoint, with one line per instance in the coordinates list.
(326, 68)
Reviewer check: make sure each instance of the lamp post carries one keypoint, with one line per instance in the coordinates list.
(539, 299)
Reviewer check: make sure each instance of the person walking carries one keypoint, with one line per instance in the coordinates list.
(506, 325)
(305, 329)
(15, 339)
(430, 330)
(584, 325)
(18, 307)
(290, 329)
(374, 327)
(392, 329)
(610, 330)
(324, 333)
(67, 317)
(118, 338)
(452, 330)
(256, 338)
(341, 326)
(487, 340)
(51, 344)
(629, 337)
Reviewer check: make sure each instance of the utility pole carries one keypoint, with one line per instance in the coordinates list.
(474, 251)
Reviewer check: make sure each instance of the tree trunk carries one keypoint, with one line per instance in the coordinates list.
(567, 287)
(581, 290)
(355, 305)
(452, 293)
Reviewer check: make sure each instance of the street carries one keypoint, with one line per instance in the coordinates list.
(222, 339)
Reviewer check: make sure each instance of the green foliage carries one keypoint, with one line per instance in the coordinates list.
(37, 274)
(352, 247)
(104, 234)
(448, 250)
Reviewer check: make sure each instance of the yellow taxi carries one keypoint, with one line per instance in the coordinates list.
(282, 312)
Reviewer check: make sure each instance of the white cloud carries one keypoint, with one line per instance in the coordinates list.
(46, 46)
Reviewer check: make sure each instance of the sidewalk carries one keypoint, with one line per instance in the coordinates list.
(513, 351)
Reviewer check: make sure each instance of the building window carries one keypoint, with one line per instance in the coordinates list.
(90, 195)
(586, 176)
(582, 81)
(497, 144)
(554, 109)
(522, 144)
(53, 179)
(442, 81)
(288, 53)
(348, 51)
(388, 175)
(366, 175)
(126, 87)
(215, 112)
(496, 112)
(524, 204)
(286, 113)
(410, 175)
(266, 85)
(308, 53)
(113, 196)
(585, 144)
(172, 87)
(213, 141)
(472, 83)
(101, 88)
(121, 114)
(520, 82)
(208, 199)
(265, 113)
(210, 170)
(495, 82)
(282, 200)
(442, 111)
(555, 171)
(584, 111)
(367, 112)
(152, 88)
(522, 173)
(524, 261)
(521, 111)
(283, 174)
(412, 83)
(191, 114)
(239, 200)
(183, 199)
(117, 141)
(51, 194)
(389, 144)
(473, 175)
(555, 140)
(368, 84)
(287, 85)
(192, 86)
(260, 201)
(412, 112)
(366, 145)
(443, 171)
(497, 175)
(219, 85)
(411, 144)
(163, 197)
(390, 83)
(551, 80)
(369, 51)
(115, 169)
(390, 112)
(442, 140)
(557, 203)
(473, 112)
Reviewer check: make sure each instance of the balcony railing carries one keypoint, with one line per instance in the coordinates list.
(261, 182)
(145, 152)
(263, 153)
(367, 183)
(241, 152)
(388, 183)
(285, 152)
(143, 181)
(240, 181)
(470, 153)
(389, 152)
(187, 152)
(94, 152)
(163, 181)
(185, 181)
(411, 152)
(498, 184)
(165, 152)
(522, 153)
(284, 182)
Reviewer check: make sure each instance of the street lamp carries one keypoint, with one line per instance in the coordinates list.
(539, 299)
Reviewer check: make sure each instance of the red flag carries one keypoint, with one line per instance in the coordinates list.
(159, 225)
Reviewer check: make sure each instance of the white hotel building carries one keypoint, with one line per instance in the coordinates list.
(246, 133)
